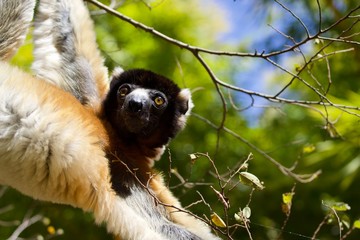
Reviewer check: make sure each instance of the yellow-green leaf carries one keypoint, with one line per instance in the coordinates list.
(217, 220)
(357, 224)
(309, 148)
(341, 207)
(346, 222)
(287, 197)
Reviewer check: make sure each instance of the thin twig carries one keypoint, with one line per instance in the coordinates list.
(215, 52)
(295, 16)
(25, 224)
(322, 223)
(288, 171)
(287, 214)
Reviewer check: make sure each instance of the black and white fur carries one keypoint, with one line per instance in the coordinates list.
(67, 146)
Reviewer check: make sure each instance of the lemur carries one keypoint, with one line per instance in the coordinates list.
(68, 136)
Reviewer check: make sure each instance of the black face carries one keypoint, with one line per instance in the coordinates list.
(139, 109)
(144, 107)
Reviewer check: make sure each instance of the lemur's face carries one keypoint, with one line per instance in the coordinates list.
(140, 109)
(146, 107)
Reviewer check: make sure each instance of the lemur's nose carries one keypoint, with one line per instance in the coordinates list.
(135, 105)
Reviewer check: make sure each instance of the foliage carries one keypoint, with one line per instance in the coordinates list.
(296, 111)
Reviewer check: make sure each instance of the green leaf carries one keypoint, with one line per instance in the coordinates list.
(357, 224)
(341, 207)
(309, 148)
(346, 222)
(251, 180)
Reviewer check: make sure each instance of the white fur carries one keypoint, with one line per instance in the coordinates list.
(15, 17)
(46, 57)
(117, 72)
(185, 96)
(125, 222)
(49, 153)
(42, 149)
(140, 93)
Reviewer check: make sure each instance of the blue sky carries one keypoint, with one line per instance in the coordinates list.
(243, 19)
(247, 25)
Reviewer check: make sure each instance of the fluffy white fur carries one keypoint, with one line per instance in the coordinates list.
(14, 25)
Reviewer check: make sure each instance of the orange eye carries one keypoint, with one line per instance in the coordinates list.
(159, 101)
(123, 91)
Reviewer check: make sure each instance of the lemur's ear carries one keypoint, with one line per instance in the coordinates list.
(117, 71)
(115, 74)
(184, 101)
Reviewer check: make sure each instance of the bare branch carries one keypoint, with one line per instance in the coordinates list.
(24, 225)
(303, 178)
(296, 17)
(320, 15)
(194, 49)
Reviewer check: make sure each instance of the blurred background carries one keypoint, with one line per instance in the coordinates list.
(297, 104)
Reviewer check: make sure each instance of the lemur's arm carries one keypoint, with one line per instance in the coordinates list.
(66, 52)
(15, 17)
